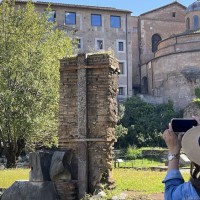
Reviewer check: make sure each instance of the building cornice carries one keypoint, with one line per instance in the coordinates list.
(75, 6)
(162, 7)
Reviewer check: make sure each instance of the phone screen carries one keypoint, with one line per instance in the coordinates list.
(183, 125)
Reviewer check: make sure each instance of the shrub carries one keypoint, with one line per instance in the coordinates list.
(133, 153)
(145, 123)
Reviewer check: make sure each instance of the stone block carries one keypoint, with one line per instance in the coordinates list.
(40, 164)
(60, 168)
(26, 190)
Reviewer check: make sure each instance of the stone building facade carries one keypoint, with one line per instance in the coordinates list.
(99, 29)
(148, 46)
(163, 22)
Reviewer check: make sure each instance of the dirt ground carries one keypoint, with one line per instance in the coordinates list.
(159, 196)
(139, 196)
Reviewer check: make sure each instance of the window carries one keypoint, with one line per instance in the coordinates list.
(174, 14)
(99, 44)
(121, 46)
(95, 20)
(188, 24)
(144, 85)
(121, 91)
(122, 67)
(115, 21)
(196, 22)
(51, 15)
(70, 18)
(79, 43)
(155, 40)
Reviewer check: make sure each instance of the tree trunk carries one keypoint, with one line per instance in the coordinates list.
(1, 149)
(20, 147)
(11, 160)
(10, 153)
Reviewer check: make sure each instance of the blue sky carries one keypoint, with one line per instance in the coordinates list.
(136, 6)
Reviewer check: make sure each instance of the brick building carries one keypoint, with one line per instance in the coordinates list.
(173, 73)
(145, 45)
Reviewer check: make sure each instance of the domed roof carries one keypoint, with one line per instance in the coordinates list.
(194, 6)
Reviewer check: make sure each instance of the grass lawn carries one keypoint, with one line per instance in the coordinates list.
(147, 182)
(9, 176)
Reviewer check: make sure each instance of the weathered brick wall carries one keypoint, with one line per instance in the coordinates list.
(68, 120)
(135, 51)
(178, 43)
(165, 50)
(160, 22)
(92, 82)
(165, 12)
(68, 102)
(181, 77)
(101, 104)
(167, 42)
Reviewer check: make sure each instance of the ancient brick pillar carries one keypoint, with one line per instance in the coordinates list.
(82, 126)
(88, 89)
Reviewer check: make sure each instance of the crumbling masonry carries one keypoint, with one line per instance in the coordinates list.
(87, 114)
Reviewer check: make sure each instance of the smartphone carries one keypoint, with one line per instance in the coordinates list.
(182, 124)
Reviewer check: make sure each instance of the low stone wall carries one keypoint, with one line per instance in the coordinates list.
(154, 152)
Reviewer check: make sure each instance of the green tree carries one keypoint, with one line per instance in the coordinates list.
(197, 93)
(120, 131)
(145, 122)
(30, 49)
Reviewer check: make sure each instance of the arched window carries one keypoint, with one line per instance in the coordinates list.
(188, 24)
(196, 22)
(144, 85)
(155, 40)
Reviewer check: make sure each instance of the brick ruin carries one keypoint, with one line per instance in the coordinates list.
(87, 114)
